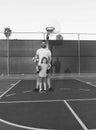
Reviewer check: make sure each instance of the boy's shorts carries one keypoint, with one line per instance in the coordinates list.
(42, 79)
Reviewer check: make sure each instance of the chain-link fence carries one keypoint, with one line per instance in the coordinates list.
(71, 52)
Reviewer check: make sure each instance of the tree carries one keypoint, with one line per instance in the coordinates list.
(7, 33)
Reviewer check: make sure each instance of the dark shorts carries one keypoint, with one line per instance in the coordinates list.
(42, 79)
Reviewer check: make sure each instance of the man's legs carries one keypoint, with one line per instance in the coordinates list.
(45, 86)
(49, 83)
(37, 84)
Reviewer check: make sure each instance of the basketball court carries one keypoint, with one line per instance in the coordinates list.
(71, 106)
(72, 103)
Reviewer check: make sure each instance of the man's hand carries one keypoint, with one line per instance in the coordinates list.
(35, 59)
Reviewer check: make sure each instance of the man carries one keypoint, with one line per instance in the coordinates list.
(40, 53)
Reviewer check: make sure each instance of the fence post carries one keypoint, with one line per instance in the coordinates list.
(79, 67)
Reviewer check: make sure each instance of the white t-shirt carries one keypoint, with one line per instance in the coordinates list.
(43, 52)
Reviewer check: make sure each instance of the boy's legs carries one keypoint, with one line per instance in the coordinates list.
(45, 86)
(40, 84)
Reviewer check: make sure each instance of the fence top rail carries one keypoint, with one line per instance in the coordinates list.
(53, 33)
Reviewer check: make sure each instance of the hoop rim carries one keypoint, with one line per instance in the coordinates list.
(50, 29)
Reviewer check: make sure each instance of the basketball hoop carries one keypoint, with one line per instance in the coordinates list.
(49, 24)
(50, 30)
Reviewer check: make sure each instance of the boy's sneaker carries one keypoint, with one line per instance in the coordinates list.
(40, 91)
(44, 91)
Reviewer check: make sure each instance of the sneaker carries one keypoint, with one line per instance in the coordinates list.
(40, 91)
(50, 89)
(44, 91)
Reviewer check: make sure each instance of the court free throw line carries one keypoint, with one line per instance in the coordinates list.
(87, 99)
(10, 88)
(41, 101)
(33, 101)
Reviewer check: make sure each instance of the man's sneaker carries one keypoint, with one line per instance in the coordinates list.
(50, 89)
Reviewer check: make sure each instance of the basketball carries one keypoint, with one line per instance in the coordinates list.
(39, 68)
(59, 37)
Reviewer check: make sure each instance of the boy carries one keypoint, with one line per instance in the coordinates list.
(42, 69)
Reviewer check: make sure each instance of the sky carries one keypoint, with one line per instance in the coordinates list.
(68, 16)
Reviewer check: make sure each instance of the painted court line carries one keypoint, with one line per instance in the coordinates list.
(88, 99)
(28, 91)
(21, 126)
(65, 101)
(76, 116)
(41, 101)
(84, 89)
(33, 101)
(9, 89)
(10, 94)
(11, 84)
(86, 82)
